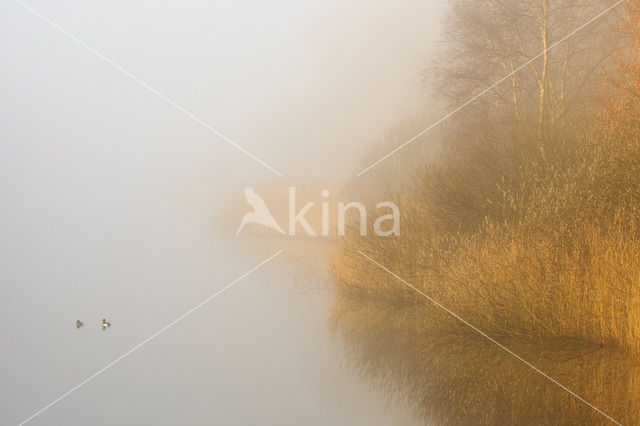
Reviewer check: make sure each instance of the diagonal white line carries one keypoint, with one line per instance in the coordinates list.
(145, 85)
(455, 111)
(501, 346)
(148, 339)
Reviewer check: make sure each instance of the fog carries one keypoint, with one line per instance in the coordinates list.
(111, 198)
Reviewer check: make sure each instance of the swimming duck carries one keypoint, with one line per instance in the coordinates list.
(79, 323)
(105, 324)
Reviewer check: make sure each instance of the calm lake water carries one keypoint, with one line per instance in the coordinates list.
(459, 377)
(116, 205)
(141, 253)
(276, 348)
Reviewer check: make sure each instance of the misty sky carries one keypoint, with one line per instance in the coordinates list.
(109, 194)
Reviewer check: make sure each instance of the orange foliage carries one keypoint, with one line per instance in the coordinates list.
(624, 102)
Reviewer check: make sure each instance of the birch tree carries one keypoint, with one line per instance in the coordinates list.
(551, 82)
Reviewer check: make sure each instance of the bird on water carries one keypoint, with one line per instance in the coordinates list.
(105, 324)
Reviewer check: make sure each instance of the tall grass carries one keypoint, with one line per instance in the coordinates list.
(536, 243)
(529, 238)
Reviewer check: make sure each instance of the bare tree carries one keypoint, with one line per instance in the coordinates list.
(488, 40)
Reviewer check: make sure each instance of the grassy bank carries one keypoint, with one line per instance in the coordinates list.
(527, 225)
(540, 242)
(539, 248)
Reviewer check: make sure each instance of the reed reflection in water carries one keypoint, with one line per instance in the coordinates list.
(455, 376)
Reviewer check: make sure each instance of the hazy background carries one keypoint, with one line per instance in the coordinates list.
(109, 197)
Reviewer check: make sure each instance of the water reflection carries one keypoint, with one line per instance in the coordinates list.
(458, 377)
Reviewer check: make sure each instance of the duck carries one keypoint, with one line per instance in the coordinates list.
(105, 324)
(79, 323)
